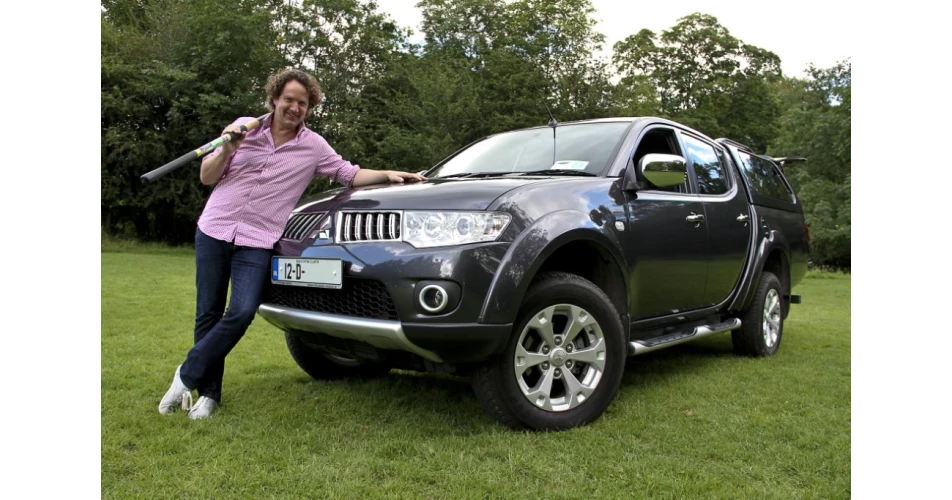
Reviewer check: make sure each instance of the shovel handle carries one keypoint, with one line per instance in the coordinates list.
(201, 151)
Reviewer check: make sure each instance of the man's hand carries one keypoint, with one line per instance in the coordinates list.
(398, 177)
(213, 167)
(366, 177)
(229, 147)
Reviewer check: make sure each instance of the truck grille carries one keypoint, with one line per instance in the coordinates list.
(299, 225)
(360, 298)
(369, 226)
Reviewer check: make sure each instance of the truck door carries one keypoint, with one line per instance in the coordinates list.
(666, 251)
(726, 216)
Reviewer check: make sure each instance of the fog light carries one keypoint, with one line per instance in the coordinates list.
(433, 298)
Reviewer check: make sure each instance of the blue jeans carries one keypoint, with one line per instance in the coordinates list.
(217, 331)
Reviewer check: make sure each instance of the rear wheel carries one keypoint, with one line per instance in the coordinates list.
(323, 365)
(564, 362)
(762, 324)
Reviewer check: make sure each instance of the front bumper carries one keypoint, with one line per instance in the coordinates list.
(378, 302)
(452, 343)
(378, 333)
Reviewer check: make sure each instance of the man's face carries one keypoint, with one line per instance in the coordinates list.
(290, 107)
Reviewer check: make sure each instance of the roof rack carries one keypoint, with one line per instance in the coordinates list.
(736, 144)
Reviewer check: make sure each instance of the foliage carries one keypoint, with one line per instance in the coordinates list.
(167, 84)
(816, 125)
(175, 72)
(705, 77)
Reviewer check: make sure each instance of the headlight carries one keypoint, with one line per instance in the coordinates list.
(439, 229)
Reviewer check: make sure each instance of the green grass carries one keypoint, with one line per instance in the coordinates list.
(689, 421)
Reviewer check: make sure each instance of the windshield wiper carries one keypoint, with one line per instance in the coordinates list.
(472, 174)
(556, 171)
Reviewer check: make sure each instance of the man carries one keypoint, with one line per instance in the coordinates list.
(259, 178)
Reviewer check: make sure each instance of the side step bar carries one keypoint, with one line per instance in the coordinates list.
(637, 347)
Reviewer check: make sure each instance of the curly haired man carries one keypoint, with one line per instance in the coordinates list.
(258, 178)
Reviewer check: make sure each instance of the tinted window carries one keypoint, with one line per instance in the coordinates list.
(711, 178)
(577, 147)
(764, 177)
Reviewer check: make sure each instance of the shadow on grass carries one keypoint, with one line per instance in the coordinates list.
(687, 357)
(412, 400)
(400, 400)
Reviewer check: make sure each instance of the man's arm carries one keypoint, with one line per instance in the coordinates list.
(213, 167)
(365, 177)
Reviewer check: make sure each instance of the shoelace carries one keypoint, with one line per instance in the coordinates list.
(202, 402)
(187, 400)
(200, 405)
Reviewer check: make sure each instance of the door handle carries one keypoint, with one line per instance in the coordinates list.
(694, 218)
(743, 218)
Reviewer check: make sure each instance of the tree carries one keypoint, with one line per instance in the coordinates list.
(169, 84)
(705, 77)
(175, 72)
(464, 29)
(816, 125)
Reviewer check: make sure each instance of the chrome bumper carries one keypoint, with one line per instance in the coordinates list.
(376, 332)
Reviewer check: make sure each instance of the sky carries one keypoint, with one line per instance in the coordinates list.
(799, 32)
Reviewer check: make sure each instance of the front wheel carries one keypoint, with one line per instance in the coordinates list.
(762, 324)
(564, 362)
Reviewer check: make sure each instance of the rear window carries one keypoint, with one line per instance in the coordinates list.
(764, 177)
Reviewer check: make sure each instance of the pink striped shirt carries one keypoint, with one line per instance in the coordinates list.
(251, 203)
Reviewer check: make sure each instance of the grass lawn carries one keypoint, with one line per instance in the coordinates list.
(689, 421)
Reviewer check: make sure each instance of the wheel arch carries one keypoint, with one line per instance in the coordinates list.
(567, 241)
(772, 255)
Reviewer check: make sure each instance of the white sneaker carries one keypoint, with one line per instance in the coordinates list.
(203, 408)
(177, 395)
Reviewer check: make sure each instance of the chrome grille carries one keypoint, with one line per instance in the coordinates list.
(369, 226)
(299, 225)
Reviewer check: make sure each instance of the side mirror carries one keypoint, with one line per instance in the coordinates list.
(663, 170)
(659, 170)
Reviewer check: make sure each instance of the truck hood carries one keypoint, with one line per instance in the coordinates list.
(436, 194)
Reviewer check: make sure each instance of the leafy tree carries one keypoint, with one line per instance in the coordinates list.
(347, 45)
(175, 72)
(816, 125)
(559, 39)
(705, 77)
(167, 85)
(464, 29)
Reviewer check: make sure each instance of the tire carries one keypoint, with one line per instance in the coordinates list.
(536, 381)
(762, 325)
(325, 366)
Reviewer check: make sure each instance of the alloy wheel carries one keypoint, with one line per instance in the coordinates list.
(560, 357)
(771, 324)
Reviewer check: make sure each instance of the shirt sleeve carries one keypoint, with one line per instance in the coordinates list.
(332, 165)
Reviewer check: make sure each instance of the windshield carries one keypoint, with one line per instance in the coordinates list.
(584, 147)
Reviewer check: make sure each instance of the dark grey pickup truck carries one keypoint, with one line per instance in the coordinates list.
(536, 262)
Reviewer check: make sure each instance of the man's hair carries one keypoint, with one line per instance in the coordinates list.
(277, 81)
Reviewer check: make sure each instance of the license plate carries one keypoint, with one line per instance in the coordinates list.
(321, 273)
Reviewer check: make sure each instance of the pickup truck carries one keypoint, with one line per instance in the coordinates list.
(536, 262)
